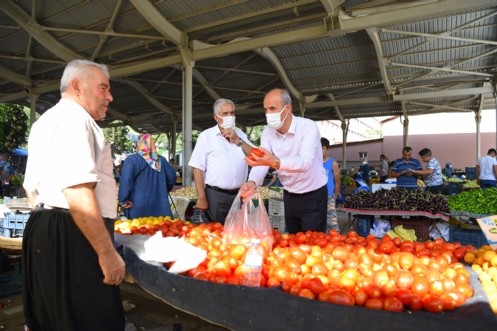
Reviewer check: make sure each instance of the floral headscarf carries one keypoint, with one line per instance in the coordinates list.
(146, 148)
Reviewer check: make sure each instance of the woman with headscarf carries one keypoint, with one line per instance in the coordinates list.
(145, 183)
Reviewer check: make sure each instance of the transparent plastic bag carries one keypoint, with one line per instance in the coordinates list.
(246, 221)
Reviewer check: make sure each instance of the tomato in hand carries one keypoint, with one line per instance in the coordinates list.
(257, 152)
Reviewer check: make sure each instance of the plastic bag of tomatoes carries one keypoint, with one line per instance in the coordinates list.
(248, 220)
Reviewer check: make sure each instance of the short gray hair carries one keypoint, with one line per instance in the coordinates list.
(79, 69)
(220, 102)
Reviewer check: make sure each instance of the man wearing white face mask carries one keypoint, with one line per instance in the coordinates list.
(292, 146)
(218, 162)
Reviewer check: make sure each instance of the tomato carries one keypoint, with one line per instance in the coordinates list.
(386, 246)
(404, 279)
(459, 253)
(298, 254)
(340, 253)
(316, 286)
(374, 303)
(406, 260)
(222, 268)
(416, 303)
(238, 251)
(381, 277)
(397, 241)
(257, 152)
(341, 297)
(373, 291)
(319, 269)
(437, 288)
(420, 286)
(360, 297)
(389, 289)
(405, 296)
(449, 302)
(306, 293)
(393, 304)
(273, 282)
(432, 303)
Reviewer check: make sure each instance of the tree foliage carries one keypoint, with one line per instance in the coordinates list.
(118, 137)
(13, 126)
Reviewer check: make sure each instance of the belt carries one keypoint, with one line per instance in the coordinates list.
(222, 190)
(296, 195)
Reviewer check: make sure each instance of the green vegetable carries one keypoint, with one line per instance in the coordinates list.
(475, 201)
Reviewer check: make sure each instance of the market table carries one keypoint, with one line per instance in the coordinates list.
(244, 308)
(401, 214)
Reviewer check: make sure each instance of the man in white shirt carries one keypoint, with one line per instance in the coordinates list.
(292, 146)
(218, 162)
(71, 270)
(487, 169)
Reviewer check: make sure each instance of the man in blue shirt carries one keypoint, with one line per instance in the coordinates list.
(403, 168)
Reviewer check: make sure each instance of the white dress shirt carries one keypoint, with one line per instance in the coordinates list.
(66, 147)
(300, 153)
(222, 162)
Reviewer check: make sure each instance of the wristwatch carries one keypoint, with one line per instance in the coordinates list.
(276, 164)
(240, 142)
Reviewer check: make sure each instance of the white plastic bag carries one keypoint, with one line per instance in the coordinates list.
(380, 228)
(246, 221)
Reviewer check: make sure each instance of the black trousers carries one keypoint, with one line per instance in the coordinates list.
(306, 211)
(219, 204)
(62, 282)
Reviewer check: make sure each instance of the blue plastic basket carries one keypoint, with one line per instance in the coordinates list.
(474, 237)
(364, 224)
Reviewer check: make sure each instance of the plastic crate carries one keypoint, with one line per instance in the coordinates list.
(363, 224)
(15, 221)
(474, 237)
(276, 207)
(470, 173)
(278, 223)
(10, 282)
(420, 225)
(454, 188)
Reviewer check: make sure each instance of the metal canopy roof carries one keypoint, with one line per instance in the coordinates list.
(339, 59)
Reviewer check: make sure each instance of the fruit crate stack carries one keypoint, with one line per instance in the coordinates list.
(276, 213)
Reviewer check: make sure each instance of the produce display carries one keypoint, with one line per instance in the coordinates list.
(475, 201)
(267, 192)
(399, 199)
(484, 263)
(386, 274)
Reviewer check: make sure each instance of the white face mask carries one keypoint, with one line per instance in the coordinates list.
(228, 122)
(274, 120)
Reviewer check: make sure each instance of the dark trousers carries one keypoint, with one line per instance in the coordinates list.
(306, 211)
(219, 204)
(62, 282)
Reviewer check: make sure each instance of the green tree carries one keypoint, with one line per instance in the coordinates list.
(117, 136)
(13, 126)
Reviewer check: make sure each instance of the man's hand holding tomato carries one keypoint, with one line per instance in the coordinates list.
(258, 157)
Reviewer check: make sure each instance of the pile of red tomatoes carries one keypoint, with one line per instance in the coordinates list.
(386, 273)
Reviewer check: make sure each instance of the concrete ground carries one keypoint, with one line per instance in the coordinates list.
(143, 311)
